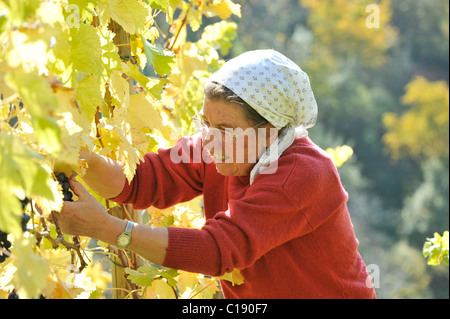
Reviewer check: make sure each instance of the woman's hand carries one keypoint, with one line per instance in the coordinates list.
(86, 216)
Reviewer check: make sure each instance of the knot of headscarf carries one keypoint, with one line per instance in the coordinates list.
(279, 91)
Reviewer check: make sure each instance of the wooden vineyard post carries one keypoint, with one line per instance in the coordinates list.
(127, 258)
(122, 41)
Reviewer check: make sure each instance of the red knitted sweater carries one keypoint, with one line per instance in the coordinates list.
(289, 233)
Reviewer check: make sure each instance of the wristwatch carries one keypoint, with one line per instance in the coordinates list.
(124, 239)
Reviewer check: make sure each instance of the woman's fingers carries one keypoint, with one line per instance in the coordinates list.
(78, 188)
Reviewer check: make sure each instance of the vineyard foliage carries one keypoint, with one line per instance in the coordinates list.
(65, 86)
(436, 249)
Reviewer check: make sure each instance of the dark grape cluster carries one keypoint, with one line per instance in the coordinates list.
(13, 295)
(64, 181)
(25, 218)
(5, 244)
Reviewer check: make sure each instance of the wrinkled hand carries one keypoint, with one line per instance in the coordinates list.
(86, 216)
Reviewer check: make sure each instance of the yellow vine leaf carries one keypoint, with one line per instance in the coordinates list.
(10, 207)
(223, 8)
(29, 50)
(186, 282)
(120, 90)
(235, 277)
(130, 14)
(207, 289)
(20, 11)
(119, 142)
(46, 44)
(31, 269)
(56, 289)
(22, 174)
(162, 290)
(40, 106)
(153, 85)
(188, 60)
(89, 94)
(220, 35)
(142, 113)
(86, 51)
(196, 286)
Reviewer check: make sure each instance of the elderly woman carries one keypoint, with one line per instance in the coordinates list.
(274, 205)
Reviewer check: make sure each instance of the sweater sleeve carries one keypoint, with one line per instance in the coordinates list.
(166, 178)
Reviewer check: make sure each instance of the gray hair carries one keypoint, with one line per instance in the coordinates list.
(218, 92)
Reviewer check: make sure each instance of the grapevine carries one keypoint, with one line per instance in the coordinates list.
(118, 78)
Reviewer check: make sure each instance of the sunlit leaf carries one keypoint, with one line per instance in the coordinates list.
(163, 61)
(31, 270)
(235, 277)
(224, 8)
(85, 49)
(130, 14)
(144, 276)
(159, 4)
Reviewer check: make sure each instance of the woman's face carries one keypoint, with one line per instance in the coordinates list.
(236, 146)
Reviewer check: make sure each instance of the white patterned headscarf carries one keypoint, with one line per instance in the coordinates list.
(279, 91)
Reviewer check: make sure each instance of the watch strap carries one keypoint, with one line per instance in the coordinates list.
(129, 227)
(126, 233)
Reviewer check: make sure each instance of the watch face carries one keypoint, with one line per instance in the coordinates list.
(123, 240)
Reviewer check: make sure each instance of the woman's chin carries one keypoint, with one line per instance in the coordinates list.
(233, 169)
(226, 169)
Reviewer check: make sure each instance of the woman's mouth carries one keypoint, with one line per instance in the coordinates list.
(218, 158)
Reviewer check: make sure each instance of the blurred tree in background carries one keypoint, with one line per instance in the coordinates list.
(380, 73)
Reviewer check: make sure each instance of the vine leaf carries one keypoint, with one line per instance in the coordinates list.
(143, 277)
(86, 51)
(130, 14)
(20, 174)
(40, 101)
(163, 61)
(224, 9)
(235, 277)
(31, 270)
(158, 4)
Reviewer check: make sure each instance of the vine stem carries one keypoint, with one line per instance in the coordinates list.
(75, 246)
(183, 23)
(97, 131)
(134, 287)
(201, 289)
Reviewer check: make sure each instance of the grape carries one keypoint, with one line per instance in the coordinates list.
(64, 182)
(24, 202)
(13, 295)
(5, 244)
(24, 221)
